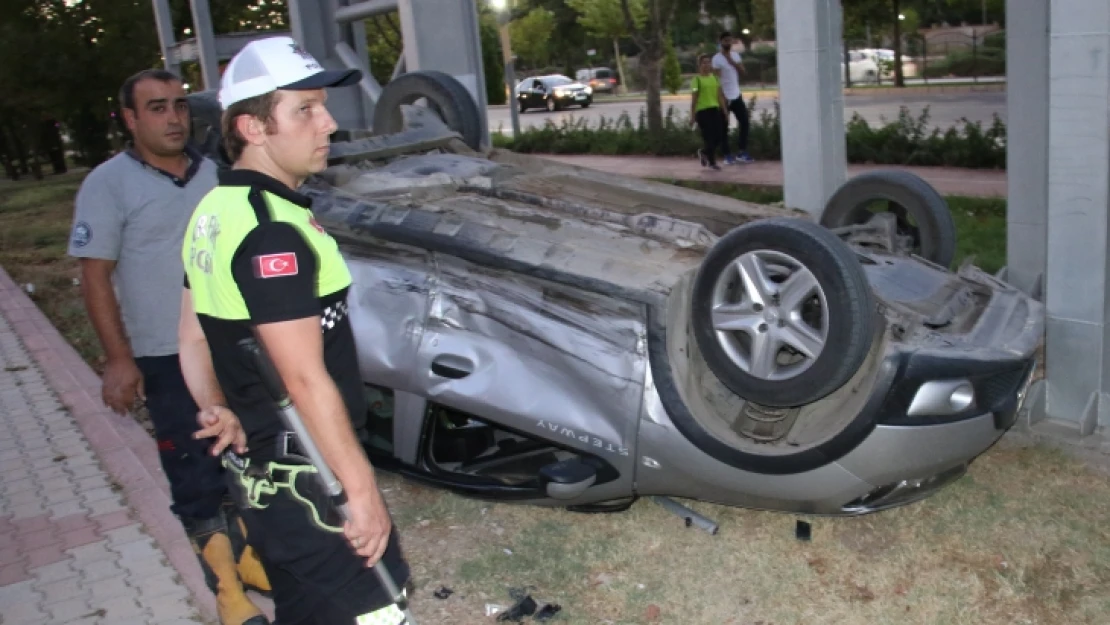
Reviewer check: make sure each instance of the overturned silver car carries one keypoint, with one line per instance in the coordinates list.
(541, 333)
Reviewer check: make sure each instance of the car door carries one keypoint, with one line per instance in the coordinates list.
(388, 308)
(539, 358)
(537, 94)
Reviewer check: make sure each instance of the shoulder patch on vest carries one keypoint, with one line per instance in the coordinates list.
(275, 265)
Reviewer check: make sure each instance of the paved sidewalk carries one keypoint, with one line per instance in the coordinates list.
(947, 180)
(86, 535)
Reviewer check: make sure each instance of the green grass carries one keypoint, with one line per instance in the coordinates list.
(1023, 538)
(35, 219)
(980, 222)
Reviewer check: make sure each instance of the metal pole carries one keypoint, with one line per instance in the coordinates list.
(164, 19)
(510, 70)
(363, 10)
(206, 44)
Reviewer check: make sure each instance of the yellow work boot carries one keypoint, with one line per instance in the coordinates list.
(213, 548)
(249, 567)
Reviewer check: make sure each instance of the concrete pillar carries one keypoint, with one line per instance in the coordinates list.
(206, 43)
(164, 20)
(809, 34)
(1027, 86)
(1078, 340)
(314, 26)
(456, 50)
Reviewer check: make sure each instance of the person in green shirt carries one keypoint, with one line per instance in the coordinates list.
(708, 108)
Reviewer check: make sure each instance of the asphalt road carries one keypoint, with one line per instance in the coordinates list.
(945, 109)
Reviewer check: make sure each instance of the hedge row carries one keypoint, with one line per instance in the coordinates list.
(905, 141)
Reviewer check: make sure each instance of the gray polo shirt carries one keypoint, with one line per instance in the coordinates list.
(136, 215)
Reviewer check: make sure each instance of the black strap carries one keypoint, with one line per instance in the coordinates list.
(260, 205)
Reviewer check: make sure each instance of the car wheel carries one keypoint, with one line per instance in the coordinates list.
(444, 94)
(551, 105)
(782, 312)
(923, 218)
(523, 108)
(205, 129)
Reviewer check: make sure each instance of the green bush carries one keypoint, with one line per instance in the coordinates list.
(905, 141)
(981, 62)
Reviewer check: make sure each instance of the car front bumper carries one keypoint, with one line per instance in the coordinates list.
(900, 460)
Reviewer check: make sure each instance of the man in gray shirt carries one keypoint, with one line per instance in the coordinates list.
(131, 215)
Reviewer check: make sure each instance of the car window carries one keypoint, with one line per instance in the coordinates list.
(555, 81)
(603, 73)
(537, 84)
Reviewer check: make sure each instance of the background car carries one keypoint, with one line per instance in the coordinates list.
(553, 92)
(862, 67)
(600, 79)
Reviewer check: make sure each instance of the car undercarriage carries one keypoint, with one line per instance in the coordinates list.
(541, 333)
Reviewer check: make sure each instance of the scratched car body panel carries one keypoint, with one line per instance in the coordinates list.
(525, 332)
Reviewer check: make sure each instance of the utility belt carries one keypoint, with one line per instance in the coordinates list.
(256, 480)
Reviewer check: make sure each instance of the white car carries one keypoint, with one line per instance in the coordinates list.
(862, 67)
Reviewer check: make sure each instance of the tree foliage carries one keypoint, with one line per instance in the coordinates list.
(531, 36)
(651, 39)
(604, 19)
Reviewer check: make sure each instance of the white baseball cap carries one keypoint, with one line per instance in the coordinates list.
(266, 65)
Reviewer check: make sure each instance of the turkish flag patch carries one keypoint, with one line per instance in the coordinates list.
(275, 265)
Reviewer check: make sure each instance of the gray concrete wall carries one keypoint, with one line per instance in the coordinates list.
(455, 50)
(812, 101)
(1078, 199)
(1027, 86)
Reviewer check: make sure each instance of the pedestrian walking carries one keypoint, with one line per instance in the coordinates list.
(727, 63)
(257, 265)
(709, 110)
(130, 216)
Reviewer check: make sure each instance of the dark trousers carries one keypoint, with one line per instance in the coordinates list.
(740, 110)
(196, 479)
(713, 132)
(317, 579)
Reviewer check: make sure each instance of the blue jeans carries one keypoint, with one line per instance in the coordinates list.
(196, 478)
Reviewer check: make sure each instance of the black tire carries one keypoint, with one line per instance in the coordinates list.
(445, 95)
(851, 310)
(935, 230)
(551, 105)
(205, 128)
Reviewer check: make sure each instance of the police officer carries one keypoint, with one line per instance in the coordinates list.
(131, 213)
(258, 265)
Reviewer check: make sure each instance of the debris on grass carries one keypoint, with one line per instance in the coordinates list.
(803, 531)
(525, 606)
(443, 592)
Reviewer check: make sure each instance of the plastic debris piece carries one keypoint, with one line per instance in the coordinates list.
(547, 612)
(443, 592)
(493, 608)
(802, 531)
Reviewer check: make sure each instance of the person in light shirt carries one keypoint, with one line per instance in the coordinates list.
(727, 64)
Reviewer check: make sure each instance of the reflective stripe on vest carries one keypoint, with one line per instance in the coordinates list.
(220, 223)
